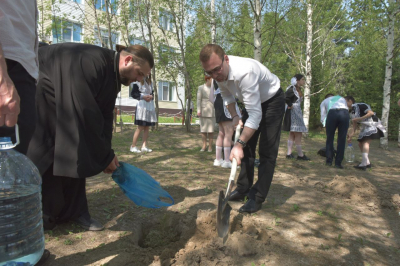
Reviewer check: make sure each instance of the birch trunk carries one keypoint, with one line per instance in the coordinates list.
(213, 26)
(147, 19)
(257, 31)
(388, 75)
(307, 86)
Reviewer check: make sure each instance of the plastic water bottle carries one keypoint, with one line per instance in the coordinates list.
(21, 226)
(349, 153)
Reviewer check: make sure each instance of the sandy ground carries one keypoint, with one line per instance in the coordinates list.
(314, 214)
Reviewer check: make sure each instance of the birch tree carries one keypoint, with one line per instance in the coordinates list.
(256, 7)
(213, 26)
(393, 9)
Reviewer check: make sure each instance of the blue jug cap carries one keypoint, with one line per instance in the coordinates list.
(5, 142)
(350, 145)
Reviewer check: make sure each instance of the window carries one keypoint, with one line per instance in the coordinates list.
(76, 1)
(102, 5)
(166, 91)
(165, 54)
(134, 41)
(104, 38)
(66, 31)
(166, 20)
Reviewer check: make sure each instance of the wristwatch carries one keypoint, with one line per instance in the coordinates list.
(241, 142)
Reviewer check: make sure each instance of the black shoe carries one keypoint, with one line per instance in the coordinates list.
(360, 167)
(91, 225)
(290, 156)
(369, 165)
(304, 158)
(45, 256)
(237, 196)
(328, 164)
(339, 166)
(250, 206)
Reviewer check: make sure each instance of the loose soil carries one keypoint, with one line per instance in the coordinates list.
(314, 214)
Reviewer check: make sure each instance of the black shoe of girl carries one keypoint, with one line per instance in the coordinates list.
(304, 158)
(360, 167)
(369, 165)
(289, 156)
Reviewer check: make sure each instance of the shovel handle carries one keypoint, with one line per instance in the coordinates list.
(237, 133)
(234, 162)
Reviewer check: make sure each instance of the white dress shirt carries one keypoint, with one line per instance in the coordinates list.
(252, 83)
(324, 107)
(18, 35)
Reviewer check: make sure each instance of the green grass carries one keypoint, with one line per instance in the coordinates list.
(161, 119)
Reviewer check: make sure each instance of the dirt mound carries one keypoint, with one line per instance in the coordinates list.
(360, 191)
(247, 238)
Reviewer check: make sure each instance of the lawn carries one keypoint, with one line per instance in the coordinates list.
(313, 215)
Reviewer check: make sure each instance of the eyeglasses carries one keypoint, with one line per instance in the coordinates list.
(215, 70)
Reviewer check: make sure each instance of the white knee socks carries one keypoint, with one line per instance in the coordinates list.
(365, 160)
(218, 153)
(227, 153)
(289, 147)
(299, 151)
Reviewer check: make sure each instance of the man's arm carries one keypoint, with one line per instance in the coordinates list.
(9, 98)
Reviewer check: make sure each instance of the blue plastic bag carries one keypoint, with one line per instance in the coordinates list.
(140, 187)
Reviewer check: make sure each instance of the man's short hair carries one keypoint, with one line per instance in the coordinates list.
(328, 95)
(140, 54)
(350, 98)
(209, 49)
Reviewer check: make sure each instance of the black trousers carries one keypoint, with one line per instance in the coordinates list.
(336, 119)
(269, 133)
(26, 88)
(63, 199)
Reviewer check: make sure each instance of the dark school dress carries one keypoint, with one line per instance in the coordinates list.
(145, 113)
(220, 115)
(293, 120)
(368, 126)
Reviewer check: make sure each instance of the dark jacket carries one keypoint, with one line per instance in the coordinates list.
(75, 99)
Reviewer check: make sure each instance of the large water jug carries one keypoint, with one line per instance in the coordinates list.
(349, 154)
(21, 226)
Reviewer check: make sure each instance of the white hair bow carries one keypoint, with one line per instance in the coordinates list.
(293, 81)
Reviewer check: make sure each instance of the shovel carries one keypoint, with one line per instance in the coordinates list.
(224, 209)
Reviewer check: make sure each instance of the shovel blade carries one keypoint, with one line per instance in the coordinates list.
(223, 215)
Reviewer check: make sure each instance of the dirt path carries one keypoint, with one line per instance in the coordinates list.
(314, 215)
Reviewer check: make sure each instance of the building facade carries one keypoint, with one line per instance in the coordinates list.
(109, 22)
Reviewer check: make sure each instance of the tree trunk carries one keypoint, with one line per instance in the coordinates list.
(257, 31)
(109, 24)
(388, 75)
(213, 26)
(398, 140)
(307, 86)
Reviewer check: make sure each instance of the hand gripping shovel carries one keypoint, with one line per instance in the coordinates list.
(224, 209)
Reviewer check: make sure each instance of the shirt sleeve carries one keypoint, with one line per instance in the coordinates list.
(323, 112)
(252, 99)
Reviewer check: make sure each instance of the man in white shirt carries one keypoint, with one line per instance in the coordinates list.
(337, 109)
(254, 85)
